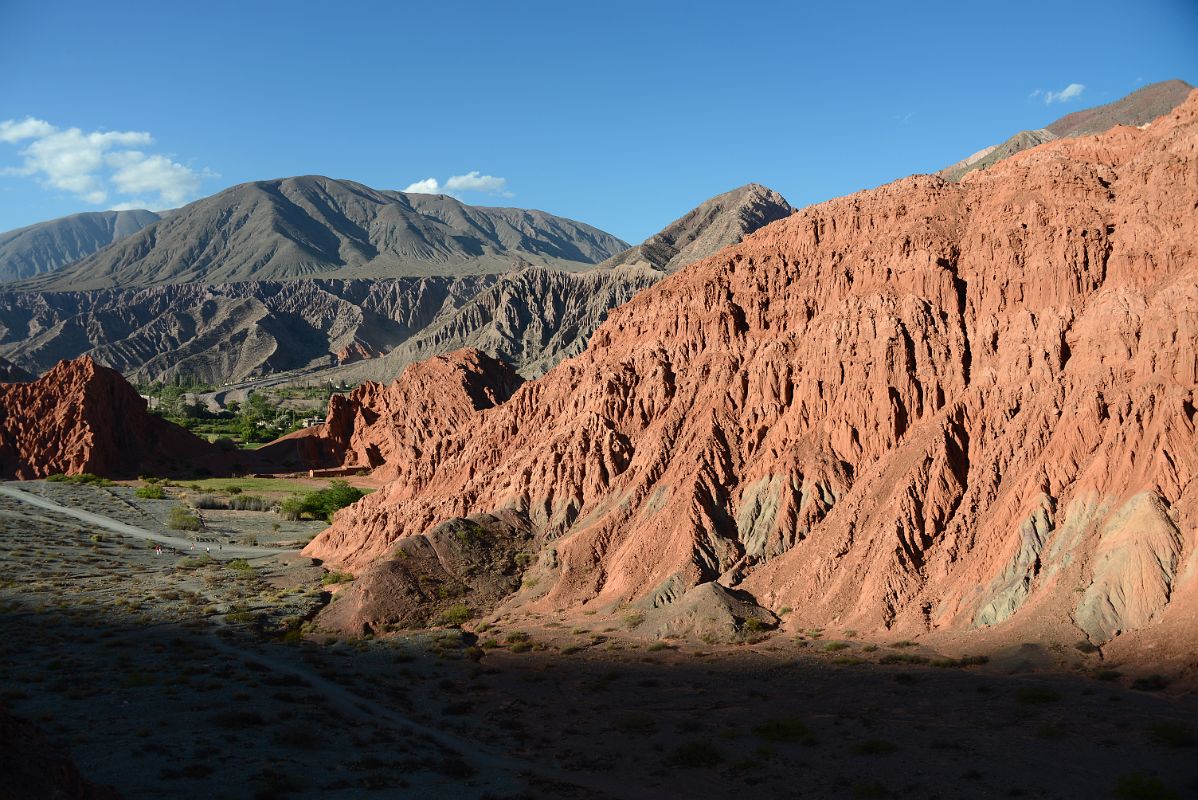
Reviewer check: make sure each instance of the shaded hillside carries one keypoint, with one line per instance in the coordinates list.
(1138, 108)
(315, 226)
(948, 407)
(49, 246)
(225, 333)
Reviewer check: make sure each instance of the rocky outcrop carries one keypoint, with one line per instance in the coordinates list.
(394, 429)
(312, 226)
(33, 768)
(931, 406)
(457, 570)
(81, 417)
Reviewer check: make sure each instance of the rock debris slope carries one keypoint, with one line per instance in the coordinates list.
(929, 406)
(81, 417)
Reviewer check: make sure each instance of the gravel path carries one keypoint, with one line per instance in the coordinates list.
(101, 521)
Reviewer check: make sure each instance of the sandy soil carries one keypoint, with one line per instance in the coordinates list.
(186, 676)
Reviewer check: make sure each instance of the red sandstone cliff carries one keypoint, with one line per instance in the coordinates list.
(81, 417)
(929, 406)
(404, 426)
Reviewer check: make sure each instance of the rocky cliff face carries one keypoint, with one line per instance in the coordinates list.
(931, 406)
(81, 417)
(397, 428)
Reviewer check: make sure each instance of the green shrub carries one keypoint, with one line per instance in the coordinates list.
(151, 491)
(249, 502)
(207, 500)
(755, 625)
(1036, 696)
(322, 504)
(181, 520)
(233, 490)
(1151, 683)
(873, 747)
(785, 729)
(84, 478)
(832, 647)
(241, 565)
(633, 619)
(1138, 786)
(635, 722)
(1172, 733)
(330, 578)
(455, 615)
(699, 754)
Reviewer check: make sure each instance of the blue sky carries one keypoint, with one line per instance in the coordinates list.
(623, 115)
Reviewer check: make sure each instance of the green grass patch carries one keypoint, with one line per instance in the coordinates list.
(785, 729)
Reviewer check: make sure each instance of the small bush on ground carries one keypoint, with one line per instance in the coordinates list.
(208, 500)
(455, 615)
(181, 520)
(331, 578)
(151, 491)
(697, 754)
(785, 729)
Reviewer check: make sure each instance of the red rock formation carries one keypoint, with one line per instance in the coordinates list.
(926, 406)
(81, 417)
(402, 427)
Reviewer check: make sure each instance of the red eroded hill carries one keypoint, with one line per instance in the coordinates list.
(81, 417)
(391, 428)
(928, 406)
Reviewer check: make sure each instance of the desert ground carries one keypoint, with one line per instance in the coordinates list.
(198, 673)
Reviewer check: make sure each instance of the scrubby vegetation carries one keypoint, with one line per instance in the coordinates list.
(151, 491)
(182, 520)
(262, 418)
(323, 503)
(85, 478)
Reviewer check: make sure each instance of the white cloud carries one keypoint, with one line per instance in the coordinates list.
(1070, 92)
(90, 165)
(138, 173)
(472, 181)
(426, 186)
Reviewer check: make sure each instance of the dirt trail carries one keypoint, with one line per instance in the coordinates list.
(99, 520)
